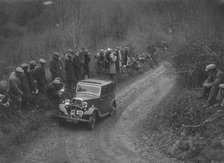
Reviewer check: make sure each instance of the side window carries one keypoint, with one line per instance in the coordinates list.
(105, 90)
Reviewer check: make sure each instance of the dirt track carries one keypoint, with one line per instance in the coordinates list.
(115, 139)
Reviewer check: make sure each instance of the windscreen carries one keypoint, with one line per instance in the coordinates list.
(85, 88)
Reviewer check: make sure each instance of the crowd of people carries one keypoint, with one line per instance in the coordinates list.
(28, 81)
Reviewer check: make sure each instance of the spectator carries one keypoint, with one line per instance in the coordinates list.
(211, 84)
(71, 79)
(53, 89)
(31, 78)
(40, 77)
(100, 63)
(15, 91)
(81, 56)
(76, 65)
(86, 65)
(27, 96)
(112, 65)
(4, 99)
(56, 67)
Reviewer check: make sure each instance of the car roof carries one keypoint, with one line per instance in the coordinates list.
(97, 81)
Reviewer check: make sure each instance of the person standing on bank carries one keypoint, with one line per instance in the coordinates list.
(15, 92)
(40, 77)
(27, 96)
(56, 67)
(211, 84)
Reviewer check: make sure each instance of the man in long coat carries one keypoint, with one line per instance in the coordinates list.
(77, 68)
(15, 91)
(56, 67)
(27, 96)
(71, 79)
(40, 77)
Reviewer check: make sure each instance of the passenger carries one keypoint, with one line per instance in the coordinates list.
(56, 67)
(27, 96)
(211, 84)
(15, 92)
(40, 77)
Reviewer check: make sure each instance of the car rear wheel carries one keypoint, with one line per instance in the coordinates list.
(91, 124)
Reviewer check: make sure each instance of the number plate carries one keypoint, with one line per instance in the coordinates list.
(72, 120)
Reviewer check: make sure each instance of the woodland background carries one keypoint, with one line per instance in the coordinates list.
(193, 30)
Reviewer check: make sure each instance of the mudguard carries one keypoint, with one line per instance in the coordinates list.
(90, 111)
(63, 109)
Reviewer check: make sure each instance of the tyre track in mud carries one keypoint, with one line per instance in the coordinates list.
(115, 138)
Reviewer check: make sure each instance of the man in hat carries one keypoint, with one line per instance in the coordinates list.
(27, 96)
(70, 71)
(15, 91)
(56, 67)
(211, 84)
(31, 78)
(4, 99)
(86, 71)
(81, 56)
(77, 66)
(53, 89)
(39, 74)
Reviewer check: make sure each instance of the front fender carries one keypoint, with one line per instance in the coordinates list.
(90, 111)
(63, 109)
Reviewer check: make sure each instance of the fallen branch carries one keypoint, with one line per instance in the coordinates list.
(210, 119)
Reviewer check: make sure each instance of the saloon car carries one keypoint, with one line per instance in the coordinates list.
(94, 99)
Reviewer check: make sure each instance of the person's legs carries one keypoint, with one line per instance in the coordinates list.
(212, 95)
(205, 92)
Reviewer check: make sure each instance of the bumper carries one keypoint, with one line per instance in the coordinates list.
(71, 119)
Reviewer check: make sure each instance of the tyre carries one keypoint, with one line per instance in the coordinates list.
(92, 123)
(113, 108)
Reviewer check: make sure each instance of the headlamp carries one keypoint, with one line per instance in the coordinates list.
(84, 105)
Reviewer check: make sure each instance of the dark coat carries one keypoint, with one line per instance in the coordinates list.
(86, 64)
(215, 79)
(15, 87)
(31, 80)
(25, 87)
(77, 68)
(69, 69)
(40, 77)
(56, 69)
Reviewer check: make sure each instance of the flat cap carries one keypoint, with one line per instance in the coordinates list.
(221, 85)
(210, 67)
(25, 65)
(3, 85)
(19, 70)
(32, 62)
(42, 60)
(56, 54)
(70, 50)
(57, 82)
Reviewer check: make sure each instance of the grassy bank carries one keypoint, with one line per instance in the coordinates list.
(183, 129)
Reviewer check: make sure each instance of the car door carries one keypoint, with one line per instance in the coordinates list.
(105, 100)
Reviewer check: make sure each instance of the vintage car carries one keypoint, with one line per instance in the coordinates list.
(94, 99)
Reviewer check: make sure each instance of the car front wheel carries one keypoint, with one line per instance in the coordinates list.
(91, 124)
